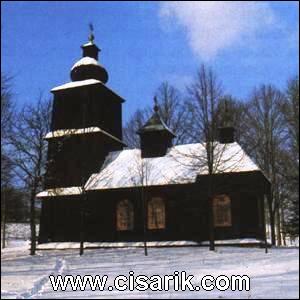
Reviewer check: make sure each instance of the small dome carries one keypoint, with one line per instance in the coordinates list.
(88, 68)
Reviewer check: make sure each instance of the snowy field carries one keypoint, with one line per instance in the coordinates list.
(272, 275)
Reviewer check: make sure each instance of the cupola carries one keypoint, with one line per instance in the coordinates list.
(155, 136)
(88, 67)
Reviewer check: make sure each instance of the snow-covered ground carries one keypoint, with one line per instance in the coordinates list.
(272, 275)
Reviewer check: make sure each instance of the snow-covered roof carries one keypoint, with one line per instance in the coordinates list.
(182, 164)
(86, 82)
(75, 84)
(62, 191)
(85, 61)
(73, 131)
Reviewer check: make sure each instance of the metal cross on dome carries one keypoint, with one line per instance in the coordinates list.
(91, 37)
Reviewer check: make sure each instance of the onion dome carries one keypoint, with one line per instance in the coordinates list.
(88, 67)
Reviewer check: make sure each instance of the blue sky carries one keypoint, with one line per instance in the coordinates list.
(146, 43)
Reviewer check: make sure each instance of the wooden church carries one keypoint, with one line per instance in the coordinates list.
(96, 186)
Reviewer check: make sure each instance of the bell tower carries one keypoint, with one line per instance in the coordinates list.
(86, 122)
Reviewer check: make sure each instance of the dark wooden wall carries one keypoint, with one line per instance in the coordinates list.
(186, 214)
(155, 143)
(87, 106)
(73, 158)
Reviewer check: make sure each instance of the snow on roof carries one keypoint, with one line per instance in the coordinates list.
(89, 43)
(73, 131)
(182, 164)
(75, 84)
(63, 191)
(85, 61)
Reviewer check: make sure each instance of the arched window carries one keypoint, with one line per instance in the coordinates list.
(222, 211)
(156, 213)
(125, 215)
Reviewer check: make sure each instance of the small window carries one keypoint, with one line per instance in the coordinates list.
(222, 211)
(156, 214)
(125, 215)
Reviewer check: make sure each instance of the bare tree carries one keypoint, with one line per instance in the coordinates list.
(291, 113)
(172, 111)
(130, 136)
(265, 134)
(29, 152)
(6, 108)
(209, 111)
(236, 109)
(290, 110)
(6, 167)
(205, 95)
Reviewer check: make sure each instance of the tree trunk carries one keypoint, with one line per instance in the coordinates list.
(278, 227)
(264, 223)
(211, 215)
(32, 223)
(144, 201)
(3, 221)
(283, 225)
(272, 223)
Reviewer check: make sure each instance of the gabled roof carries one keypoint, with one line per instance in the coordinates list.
(182, 164)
